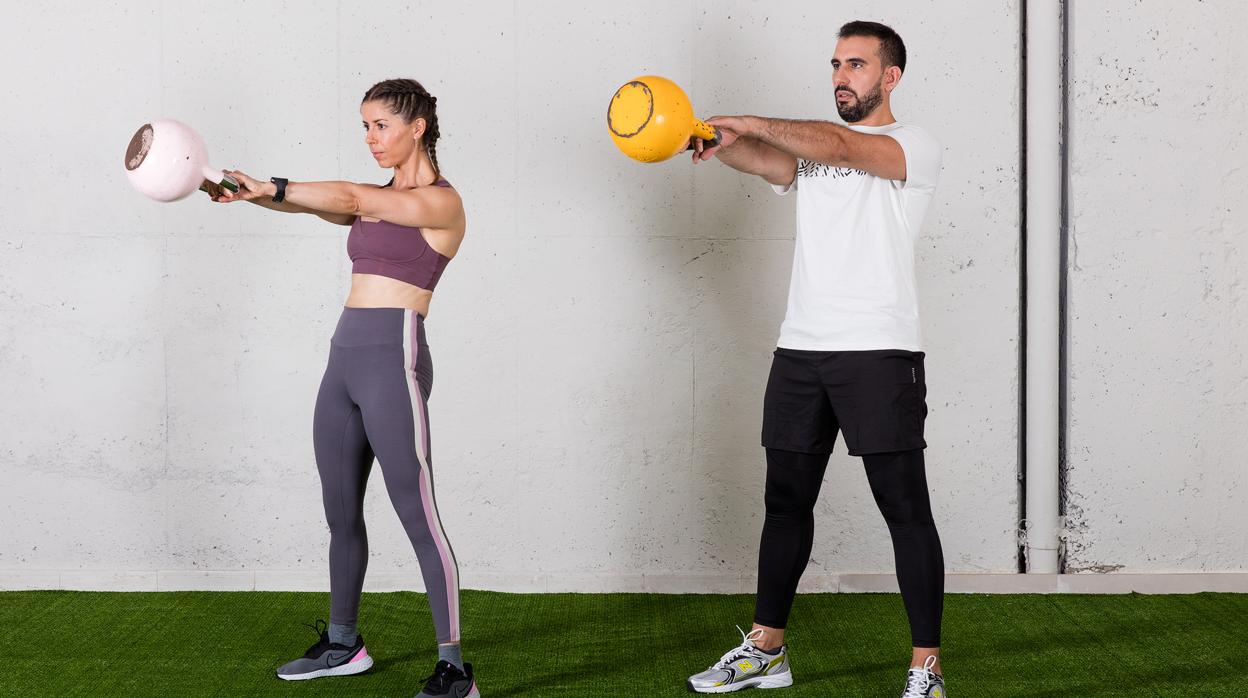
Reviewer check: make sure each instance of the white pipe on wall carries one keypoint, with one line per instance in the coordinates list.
(1043, 142)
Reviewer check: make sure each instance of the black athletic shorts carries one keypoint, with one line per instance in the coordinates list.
(877, 399)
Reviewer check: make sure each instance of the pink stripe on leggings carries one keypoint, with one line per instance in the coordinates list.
(434, 521)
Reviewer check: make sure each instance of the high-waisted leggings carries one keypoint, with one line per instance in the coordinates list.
(899, 484)
(372, 403)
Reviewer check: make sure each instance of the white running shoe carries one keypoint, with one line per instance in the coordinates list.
(922, 682)
(745, 666)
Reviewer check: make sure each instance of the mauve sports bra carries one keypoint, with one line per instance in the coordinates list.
(396, 251)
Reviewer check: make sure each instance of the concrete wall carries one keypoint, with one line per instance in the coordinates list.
(601, 343)
(1158, 311)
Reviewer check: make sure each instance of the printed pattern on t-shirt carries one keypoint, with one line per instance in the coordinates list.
(806, 168)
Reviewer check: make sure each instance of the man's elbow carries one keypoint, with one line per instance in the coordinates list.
(780, 179)
(838, 153)
(782, 173)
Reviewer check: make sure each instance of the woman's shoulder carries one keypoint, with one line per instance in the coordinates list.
(439, 182)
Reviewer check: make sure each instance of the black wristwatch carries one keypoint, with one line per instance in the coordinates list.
(280, 195)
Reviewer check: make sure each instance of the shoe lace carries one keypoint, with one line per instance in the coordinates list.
(320, 628)
(742, 650)
(322, 638)
(919, 679)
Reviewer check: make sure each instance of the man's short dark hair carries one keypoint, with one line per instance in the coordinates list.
(892, 49)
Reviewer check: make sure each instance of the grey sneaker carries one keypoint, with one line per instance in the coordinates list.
(922, 682)
(327, 658)
(449, 682)
(745, 666)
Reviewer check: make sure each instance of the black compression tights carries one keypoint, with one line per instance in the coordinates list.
(899, 484)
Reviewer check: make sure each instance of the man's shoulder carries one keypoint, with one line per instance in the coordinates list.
(912, 132)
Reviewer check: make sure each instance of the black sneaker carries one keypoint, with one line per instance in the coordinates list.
(327, 658)
(448, 680)
(922, 682)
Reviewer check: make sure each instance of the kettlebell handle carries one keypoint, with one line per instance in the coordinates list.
(220, 179)
(709, 135)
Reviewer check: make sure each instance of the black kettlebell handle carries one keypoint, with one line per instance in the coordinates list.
(707, 143)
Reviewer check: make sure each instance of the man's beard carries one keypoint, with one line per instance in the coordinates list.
(863, 107)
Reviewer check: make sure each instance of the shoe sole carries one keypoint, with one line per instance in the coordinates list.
(347, 669)
(774, 681)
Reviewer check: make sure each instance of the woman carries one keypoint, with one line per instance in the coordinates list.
(372, 399)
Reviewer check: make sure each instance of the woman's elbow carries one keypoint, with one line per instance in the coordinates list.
(351, 205)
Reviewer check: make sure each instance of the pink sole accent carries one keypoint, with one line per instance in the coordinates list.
(361, 656)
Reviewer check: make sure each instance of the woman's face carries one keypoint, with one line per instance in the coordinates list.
(389, 138)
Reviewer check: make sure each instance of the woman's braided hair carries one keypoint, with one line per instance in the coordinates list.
(410, 100)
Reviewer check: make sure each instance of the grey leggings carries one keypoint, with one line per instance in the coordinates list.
(372, 403)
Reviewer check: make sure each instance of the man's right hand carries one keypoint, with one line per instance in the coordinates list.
(727, 136)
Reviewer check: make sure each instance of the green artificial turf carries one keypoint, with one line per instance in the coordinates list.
(227, 644)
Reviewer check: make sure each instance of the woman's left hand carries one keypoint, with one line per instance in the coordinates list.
(248, 188)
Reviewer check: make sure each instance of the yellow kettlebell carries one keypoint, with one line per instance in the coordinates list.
(651, 120)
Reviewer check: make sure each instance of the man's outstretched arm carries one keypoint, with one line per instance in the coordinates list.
(821, 141)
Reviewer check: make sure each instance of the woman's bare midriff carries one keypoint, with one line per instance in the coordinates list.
(373, 291)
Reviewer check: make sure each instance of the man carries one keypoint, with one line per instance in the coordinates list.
(849, 357)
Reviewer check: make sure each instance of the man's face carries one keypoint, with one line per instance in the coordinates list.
(857, 77)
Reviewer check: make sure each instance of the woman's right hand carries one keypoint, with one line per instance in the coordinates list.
(212, 189)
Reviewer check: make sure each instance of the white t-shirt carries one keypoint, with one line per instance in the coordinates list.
(853, 285)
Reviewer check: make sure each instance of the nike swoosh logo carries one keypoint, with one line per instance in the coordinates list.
(340, 660)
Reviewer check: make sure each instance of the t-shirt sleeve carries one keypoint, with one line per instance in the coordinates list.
(783, 189)
(923, 155)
